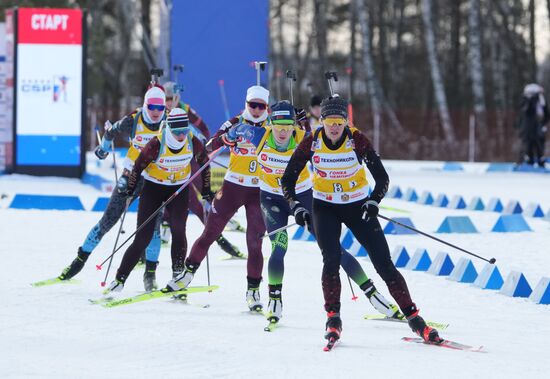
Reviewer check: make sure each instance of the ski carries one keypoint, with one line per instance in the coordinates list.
(57, 280)
(229, 257)
(381, 317)
(273, 322)
(234, 226)
(446, 343)
(106, 303)
(330, 344)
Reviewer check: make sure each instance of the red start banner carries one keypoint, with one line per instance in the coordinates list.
(49, 26)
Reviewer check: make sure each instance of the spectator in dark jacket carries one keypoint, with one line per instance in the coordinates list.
(534, 117)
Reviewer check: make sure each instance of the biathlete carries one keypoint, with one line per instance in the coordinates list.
(340, 196)
(240, 188)
(274, 152)
(166, 165)
(201, 131)
(142, 126)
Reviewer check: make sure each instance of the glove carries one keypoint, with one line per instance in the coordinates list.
(101, 151)
(126, 185)
(302, 216)
(370, 209)
(122, 185)
(207, 195)
(301, 115)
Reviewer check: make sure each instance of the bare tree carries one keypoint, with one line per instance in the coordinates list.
(533, 57)
(375, 92)
(437, 80)
(476, 67)
(320, 12)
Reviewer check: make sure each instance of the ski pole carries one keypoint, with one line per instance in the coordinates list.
(278, 230)
(205, 212)
(260, 66)
(220, 164)
(353, 296)
(128, 201)
(331, 76)
(156, 73)
(165, 203)
(221, 84)
(491, 261)
(291, 77)
(177, 69)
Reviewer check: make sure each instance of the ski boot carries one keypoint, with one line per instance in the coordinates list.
(116, 285)
(228, 247)
(182, 279)
(379, 302)
(418, 326)
(149, 276)
(165, 233)
(253, 295)
(333, 327)
(275, 305)
(76, 265)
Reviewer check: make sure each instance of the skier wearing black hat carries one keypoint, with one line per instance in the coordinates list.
(274, 152)
(166, 164)
(314, 114)
(340, 195)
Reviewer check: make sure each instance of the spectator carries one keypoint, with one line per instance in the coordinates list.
(533, 120)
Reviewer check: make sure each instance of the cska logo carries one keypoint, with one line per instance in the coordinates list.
(139, 138)
(161, 160)
(316, 159)
(263, 157)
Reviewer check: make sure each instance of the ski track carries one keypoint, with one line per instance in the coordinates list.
(55, 332)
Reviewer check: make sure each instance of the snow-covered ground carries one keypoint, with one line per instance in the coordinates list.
(55, 332)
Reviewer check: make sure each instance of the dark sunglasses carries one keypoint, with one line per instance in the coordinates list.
(255, 105)
(155, 107)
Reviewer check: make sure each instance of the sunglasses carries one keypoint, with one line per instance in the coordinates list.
(254, 105)
(281, 127)
(155, 107)
(179, 131)
(338, 121)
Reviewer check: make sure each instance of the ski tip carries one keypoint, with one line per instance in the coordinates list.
(98, 267)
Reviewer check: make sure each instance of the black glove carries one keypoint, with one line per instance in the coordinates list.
(100, 153)
(370, 209)
(208, 195)
(302, 216)
(301, 115)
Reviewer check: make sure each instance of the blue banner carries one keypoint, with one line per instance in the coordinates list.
(217, 41)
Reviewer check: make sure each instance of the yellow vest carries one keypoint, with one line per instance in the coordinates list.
(273, 164)
(171, 168)
(243, 166)
(338, 175)
(142, 135)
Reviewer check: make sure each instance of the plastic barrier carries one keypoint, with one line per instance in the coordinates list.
(457, 224)
(476, 204)
(101, 204)
(513, 207)
(302, 234)
(511, 223)
(452, 166)
(426, 198)
(420, 261)
(500, 167)
(457, 203)
(464, 271)
(346, 240)
(441, 201)
(392, 228)
(516, 285)
(541, 294)
(46, 202)
(534, 210)
(394, 193)
(410, 195)
(489, 278)
(442, 265)
(495, 205)
(400, 257)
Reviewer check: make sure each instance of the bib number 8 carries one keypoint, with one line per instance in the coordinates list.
(338, 187)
